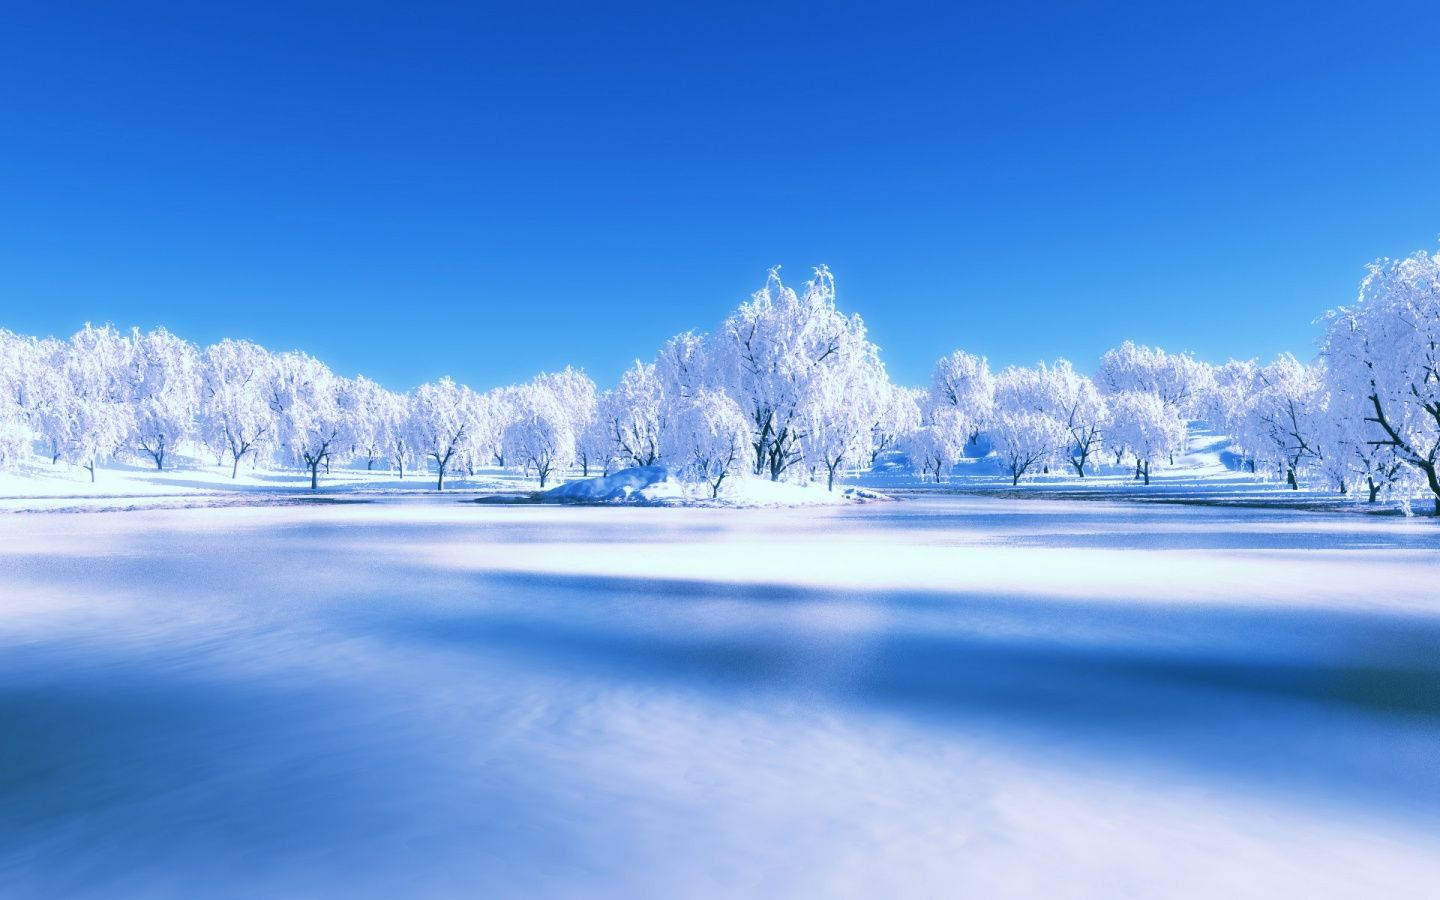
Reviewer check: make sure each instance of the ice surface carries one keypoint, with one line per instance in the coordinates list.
(949, 696)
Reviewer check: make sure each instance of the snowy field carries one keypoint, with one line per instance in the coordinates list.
(947, 696)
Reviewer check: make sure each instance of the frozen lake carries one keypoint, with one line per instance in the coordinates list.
(950, 696)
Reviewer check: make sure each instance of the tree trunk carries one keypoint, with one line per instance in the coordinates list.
(1147, 472)
(1290, 479)
(369, 463)
(1373, 487)
(1137, 468)
(1079, 468)
(235, 468)
(91, 467)
(1014, 478)
(315, 475)
(440, 481)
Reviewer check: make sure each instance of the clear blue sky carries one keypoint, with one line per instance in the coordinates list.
(411, 189)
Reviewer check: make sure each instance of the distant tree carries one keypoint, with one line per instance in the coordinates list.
(311, 427)
(1146, 427)
(962, 381)
(770, 351)
(633, 415)
(235, 411)
(707, 437)
(441, 415)
(165, 384)
(541, 435)
(97, 414)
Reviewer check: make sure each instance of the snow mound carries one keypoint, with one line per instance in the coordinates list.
(628, 485)
(662, 486)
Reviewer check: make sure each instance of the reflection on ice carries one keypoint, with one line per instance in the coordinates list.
(949, 696)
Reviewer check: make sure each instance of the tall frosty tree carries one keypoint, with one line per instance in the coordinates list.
(1386, 349)
(962, 382)
(376, 418)
(771, 351)
(166, 392)
(707, 437)
(540, 435)
(441, 417)
(235, 412)
(96, 415)
(632, 414)
(1025, 430)
(1146, 427)
(1284, 415)
(311, 427)
(844, 402)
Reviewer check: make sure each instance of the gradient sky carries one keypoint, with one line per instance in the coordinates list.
(409, 190)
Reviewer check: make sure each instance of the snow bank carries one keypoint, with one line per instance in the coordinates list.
(661, 486)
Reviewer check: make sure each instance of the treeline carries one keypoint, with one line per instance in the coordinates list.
(787, 388)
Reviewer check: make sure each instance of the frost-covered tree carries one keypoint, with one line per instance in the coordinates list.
(1178, 379)
(375, 416)
(97, 414)
(440, 418)
(1227, 403)
(962, 381)
(165, 385)
(633, 414)
(595, 447)
(770, 351)
(1284, 413)
(1386, 349)
(707, 437)
(1026, 431)
(1146, 427)
(540, 435)
(897, 415)
(843, 403)
(936, 446)
(684, 367)
(235, 413)
(578, 397)
(311, 427)
(1024, 440)
(1072, 399)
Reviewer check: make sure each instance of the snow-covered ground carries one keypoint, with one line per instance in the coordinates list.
(948, 696)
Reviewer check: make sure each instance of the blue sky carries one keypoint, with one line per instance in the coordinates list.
(411, 190)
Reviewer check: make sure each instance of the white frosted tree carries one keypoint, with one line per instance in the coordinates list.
(633, 415)
(440, 418)
(311, 427)
(165, 398)
(96, 414)
(376, 417)
(770, 350)
(841, 406)
(1178, 379)
(1025, 430)
(1227, 404)
(707, 437)
(684, 366)
(1146, 427)
(578, 397)
(1024, 440)
(1386, 349)
(897, 415)
(963, 382)
(235, 413)
(540, 436)
(1073, 399)
(1284, 412)
(936, 446)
